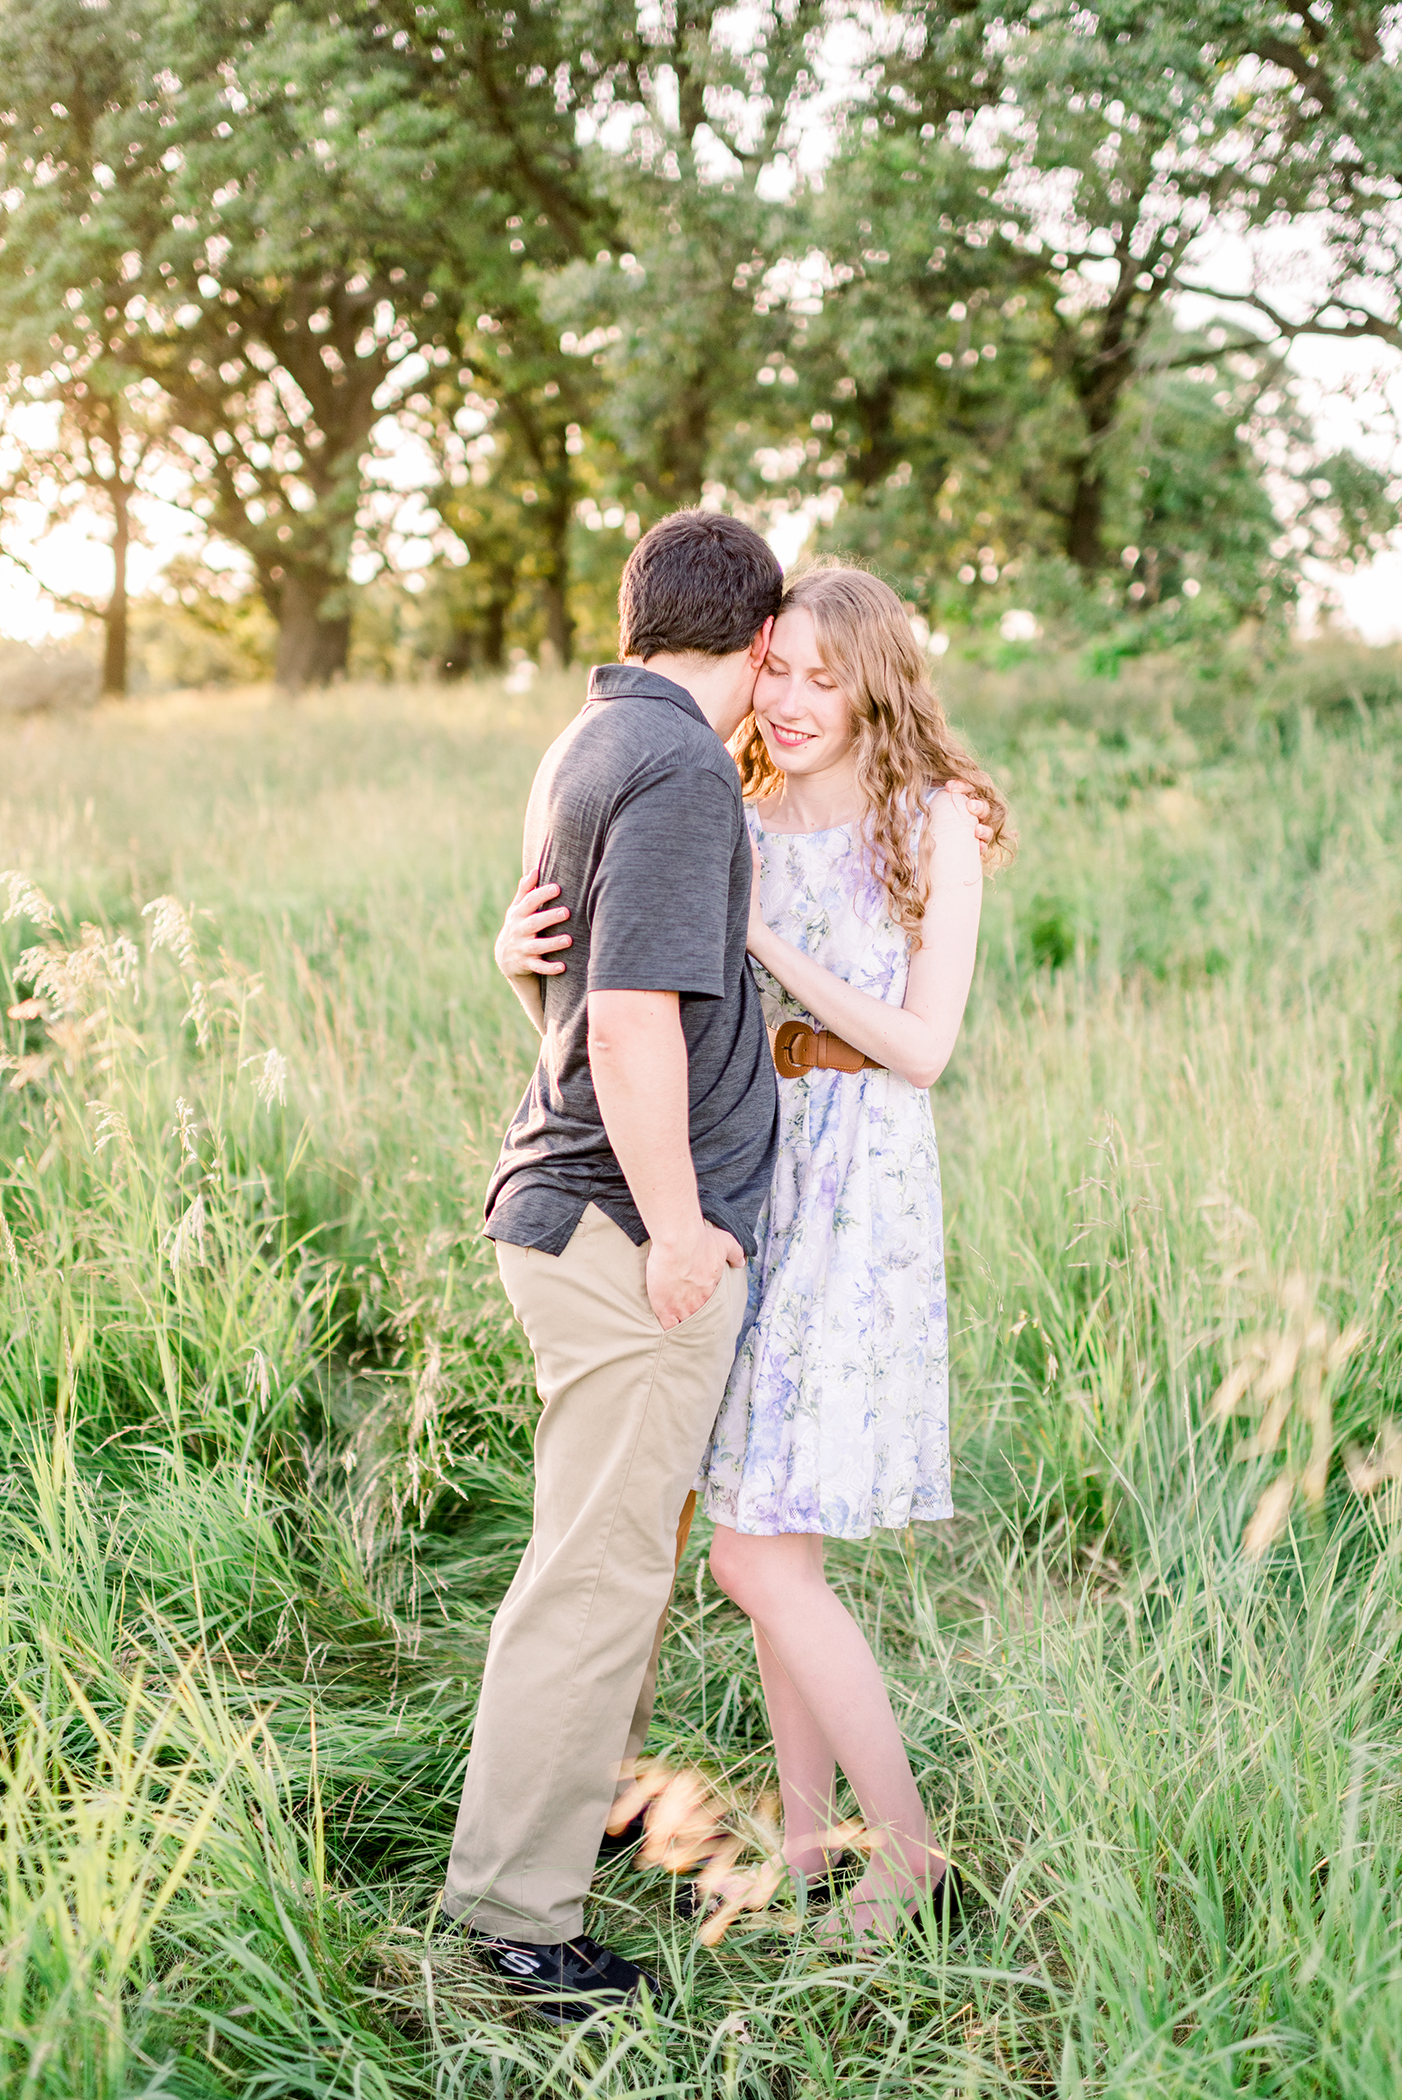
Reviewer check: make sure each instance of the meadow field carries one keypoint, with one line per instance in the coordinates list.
(265, 1423)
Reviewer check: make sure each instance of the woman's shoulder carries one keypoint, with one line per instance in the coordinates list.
(949, 845)
(946, 808)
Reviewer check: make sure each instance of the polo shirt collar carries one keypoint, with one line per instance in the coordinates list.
(636, 682)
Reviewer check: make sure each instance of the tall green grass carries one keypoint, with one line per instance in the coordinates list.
(264, 1425)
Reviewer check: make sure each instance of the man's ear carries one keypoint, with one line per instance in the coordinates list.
(759, 647)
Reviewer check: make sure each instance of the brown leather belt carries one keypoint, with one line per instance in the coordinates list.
(799, 1049)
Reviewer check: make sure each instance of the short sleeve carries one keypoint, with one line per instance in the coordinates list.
(659, 901)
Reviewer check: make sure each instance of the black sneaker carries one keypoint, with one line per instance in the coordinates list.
(568, 1982)
(614, 1843)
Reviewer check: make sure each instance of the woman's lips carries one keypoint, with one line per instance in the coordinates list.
(789, 738)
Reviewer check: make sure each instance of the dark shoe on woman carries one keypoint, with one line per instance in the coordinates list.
(944, 1905)
(828, 1887)
(615, 1843)
(947, 1904)
(843, 1870)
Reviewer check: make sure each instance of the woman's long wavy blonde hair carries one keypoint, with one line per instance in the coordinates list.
(905, 749)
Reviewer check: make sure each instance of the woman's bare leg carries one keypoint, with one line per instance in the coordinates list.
(832, 1673)
(807, 1769)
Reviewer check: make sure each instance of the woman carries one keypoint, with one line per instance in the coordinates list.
(865, 817)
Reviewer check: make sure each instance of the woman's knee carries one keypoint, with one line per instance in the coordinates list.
(753, 1572)
(729, 1560)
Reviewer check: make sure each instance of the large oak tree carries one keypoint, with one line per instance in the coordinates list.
(282, 215)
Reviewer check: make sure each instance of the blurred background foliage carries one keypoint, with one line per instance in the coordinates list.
(410, 318)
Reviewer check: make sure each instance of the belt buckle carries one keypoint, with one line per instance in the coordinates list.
(789, 1038)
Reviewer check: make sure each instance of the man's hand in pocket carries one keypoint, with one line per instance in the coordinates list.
(681, 1279)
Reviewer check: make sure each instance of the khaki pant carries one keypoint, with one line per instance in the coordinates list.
(567, 1690)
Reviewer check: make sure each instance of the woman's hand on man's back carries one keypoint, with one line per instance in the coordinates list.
(525, 943)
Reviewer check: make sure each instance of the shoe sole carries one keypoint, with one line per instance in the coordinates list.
(543, 2011)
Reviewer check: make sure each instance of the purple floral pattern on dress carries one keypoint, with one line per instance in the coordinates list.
(836, 1415)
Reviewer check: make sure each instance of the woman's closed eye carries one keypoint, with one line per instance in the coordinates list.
(772, 668)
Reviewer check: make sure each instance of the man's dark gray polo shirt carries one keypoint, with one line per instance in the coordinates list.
(636, 813)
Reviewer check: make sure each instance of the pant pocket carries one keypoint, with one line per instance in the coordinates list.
(731, 1291)
(693, 1319)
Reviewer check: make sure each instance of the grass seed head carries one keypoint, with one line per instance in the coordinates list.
(26, 901)
(1288, 1374)
(271, 1084)
(1383, 1463)
(112, 1126)
(1270, 1516)
(185, 1242)
(171, 928)
(680, 1825)
(187, 1128)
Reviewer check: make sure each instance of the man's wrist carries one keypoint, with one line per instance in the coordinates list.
(677, 1237)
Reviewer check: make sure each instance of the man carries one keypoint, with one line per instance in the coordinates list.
(623, 1207)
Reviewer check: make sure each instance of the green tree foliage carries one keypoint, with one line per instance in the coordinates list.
(1129, 134)
(682, 327)
(589, 260)
(282, 215)
(615, 377)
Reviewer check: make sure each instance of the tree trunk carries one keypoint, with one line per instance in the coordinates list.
(311, 648)
(559, 627)
(1085, 523)
(114, 620)
(1100, 380)
(685, 445)
(503, 590)
(457, 658)
(874, 415)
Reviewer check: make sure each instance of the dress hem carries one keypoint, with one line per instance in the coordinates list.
(783, 1531)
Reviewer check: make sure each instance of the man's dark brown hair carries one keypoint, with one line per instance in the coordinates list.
(700, 583)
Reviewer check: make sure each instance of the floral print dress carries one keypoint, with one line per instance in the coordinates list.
(836, 1415)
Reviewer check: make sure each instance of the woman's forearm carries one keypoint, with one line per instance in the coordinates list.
(531, 995)
(915, 1039)
(525, 949)
(906, 1043)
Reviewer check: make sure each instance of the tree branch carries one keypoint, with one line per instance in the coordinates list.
(1365, 323)
(72, 601)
